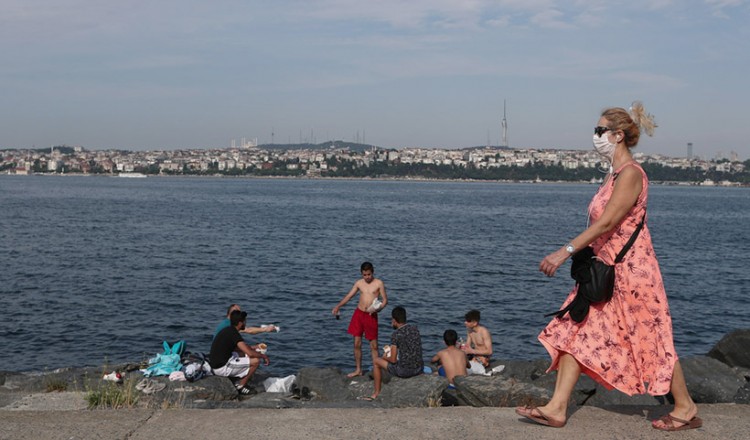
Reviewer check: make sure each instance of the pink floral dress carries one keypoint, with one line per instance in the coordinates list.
(625, 343)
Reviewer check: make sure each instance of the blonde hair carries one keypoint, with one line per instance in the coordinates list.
(631, 123)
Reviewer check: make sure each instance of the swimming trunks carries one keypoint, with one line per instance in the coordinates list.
(363, 322)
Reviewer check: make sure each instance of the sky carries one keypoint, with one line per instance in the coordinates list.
(168, 74)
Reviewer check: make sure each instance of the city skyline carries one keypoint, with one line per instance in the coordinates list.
(169, 75)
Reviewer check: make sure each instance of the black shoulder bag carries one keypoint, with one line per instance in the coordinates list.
(595, 279)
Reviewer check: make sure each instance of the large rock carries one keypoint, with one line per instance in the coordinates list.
(424, 390)
(585, 387)
(534, 372)
(499, 391)
(3, 376)
(524, 370)
(212, 388)
(733, 349)
(711, 381)
(603, 397)
(63, 379)
(743, 394)
(327, 384)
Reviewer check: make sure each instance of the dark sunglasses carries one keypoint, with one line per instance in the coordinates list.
(599, 130)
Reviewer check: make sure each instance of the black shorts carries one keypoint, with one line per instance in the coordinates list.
(403, 372)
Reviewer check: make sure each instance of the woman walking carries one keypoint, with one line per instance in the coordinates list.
(624, 343)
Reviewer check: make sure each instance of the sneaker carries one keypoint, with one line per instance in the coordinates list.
(498, 369)
(246, 391)
(113, 377)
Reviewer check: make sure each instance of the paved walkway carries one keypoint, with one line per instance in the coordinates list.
(721, 421)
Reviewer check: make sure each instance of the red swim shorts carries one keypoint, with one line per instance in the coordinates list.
(363, 322)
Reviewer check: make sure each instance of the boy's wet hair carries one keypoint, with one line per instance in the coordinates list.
(450, 337)
(366, 266)
(399, 314)
(232, 306)
(472, 316)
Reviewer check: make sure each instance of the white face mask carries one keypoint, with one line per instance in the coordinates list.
(603, 146)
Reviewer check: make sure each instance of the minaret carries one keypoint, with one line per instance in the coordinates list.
(505, 127)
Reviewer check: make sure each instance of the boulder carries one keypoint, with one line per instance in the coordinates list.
(496, 391)
(583, 390)
(711, 381)
(271, 401)
(424, 390)
(534, 372)
(524, 370)
(62, 379)
(602, 397)
(743, 394)
(214, 388)
(733, 349)
(4, 375)
(327, 384)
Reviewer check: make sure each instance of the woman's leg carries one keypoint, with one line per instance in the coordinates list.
(568, 372)
(684, 407)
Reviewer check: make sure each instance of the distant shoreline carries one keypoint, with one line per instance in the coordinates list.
(386, 179)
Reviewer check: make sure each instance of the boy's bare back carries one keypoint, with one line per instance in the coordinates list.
(453, 361)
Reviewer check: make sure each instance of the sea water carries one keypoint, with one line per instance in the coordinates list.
(98, 270)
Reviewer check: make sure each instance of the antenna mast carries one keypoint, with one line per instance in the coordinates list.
(505, 127)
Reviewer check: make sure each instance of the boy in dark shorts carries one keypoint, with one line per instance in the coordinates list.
(365, 317)
(403, 357)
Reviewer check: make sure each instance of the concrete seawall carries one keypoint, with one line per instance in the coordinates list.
(721, 421)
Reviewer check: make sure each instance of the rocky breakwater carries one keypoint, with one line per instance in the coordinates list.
(720, 376)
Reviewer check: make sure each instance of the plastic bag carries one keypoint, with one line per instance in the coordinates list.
(375, 305)
(279, 384)
(477, 368)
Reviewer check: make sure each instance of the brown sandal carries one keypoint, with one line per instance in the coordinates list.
(541, 418)
(669, 425)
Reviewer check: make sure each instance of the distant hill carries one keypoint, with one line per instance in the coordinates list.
(334, 145)
(352, 146)
(64, 149)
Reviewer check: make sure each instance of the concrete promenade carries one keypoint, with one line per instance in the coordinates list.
(721, 421)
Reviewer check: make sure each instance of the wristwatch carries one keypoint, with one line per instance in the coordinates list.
(569, 248)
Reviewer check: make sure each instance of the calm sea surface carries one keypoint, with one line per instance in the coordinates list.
(100, 269)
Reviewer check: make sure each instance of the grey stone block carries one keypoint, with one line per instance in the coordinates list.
(497, 391)
(711, 381)
(733, 349)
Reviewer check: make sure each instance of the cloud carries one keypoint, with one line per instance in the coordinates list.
(718, 7)
(551, 19)
(423, 14)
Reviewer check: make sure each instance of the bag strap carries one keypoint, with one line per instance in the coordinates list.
(630, 242)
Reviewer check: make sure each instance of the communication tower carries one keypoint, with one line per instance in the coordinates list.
(690, 150)
(505, 127)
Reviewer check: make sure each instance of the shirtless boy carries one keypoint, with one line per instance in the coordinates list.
(478, 340)
(452, 359)
(365, 319)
